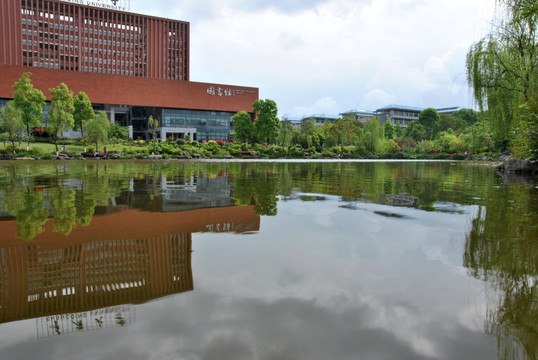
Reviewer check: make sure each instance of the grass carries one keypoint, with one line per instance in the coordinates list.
(47, 148)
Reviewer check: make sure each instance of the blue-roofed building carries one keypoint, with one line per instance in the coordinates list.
(398, 113)
(320, 119)
(294, 121)
(405, 114)
(361, 115)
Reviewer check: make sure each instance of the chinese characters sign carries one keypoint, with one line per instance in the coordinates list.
(219, 91)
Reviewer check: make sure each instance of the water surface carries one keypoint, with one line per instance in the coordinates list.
(266, 260)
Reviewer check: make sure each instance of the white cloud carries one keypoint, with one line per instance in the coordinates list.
(310, 56)
(325, 106)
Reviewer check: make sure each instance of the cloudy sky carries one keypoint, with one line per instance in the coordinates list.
(329, 56)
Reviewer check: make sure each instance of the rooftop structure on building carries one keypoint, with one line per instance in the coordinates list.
(294, 121)
(361, 115)
(449, 110)
(130, 65)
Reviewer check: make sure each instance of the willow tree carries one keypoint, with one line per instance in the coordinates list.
(97, 129)
(502, 68)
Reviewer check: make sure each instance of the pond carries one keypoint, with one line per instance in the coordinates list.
(267, 260)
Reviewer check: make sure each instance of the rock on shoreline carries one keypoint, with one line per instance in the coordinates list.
(518, 166)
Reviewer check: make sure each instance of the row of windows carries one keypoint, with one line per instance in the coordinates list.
(406, 113)
(55, 26)
(203, 122)
(35, 43)
(109, 61)
(74, 38)
(47, 35)
(214, 134)
(111, 43)
(74, 29)
(110, 71)
(196, 118)
(402, 122)
(61, 47)
(90, 31)
(111, 52)
(50, 65)
(55, 65)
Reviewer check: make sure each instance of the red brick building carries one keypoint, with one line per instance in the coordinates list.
(130, 65)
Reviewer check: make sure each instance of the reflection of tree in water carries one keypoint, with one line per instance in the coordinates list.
(71, 198)
(23, 200)
(74, 190)
(262, 183)
(502, 249)
(258, 185)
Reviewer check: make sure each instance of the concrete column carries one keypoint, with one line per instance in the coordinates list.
(112, 115)
(130, 130)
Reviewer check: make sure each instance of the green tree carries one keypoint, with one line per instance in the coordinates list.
(11, 122)
(118, 131)
(83, 111)
(342, 132)
(467, 116)
(61, 111)
(429, 118)
(285, 133)
(374, 136)
(153, 125)
(477, 138)
(29, 101)
(97, 129)
(527, 125)
(415, 131)
(310, 134)
(243, 128)
(266, 124)
(449, 122)
(389, 130)
(502, 68)
(398, 130)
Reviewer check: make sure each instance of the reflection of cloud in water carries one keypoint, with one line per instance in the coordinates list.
(294, 328)
(290, 276)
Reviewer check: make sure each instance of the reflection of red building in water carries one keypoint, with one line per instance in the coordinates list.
(124, 257)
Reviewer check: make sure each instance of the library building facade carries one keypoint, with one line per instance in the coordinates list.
(130, 65)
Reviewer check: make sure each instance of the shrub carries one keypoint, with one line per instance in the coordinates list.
(295, 152)
(391, 147)
(234, 149)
